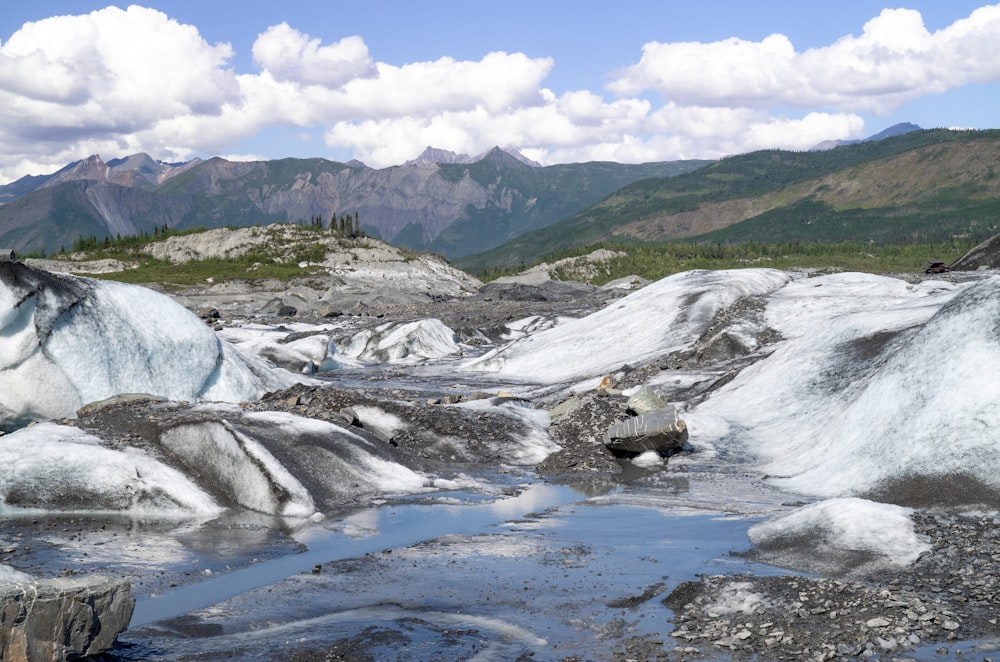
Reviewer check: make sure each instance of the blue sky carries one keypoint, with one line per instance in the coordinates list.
(561, 81)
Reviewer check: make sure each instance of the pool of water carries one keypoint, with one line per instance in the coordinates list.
(397, 525)
(548, 573)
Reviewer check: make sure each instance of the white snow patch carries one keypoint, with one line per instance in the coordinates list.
(380, 421)
(737, 598)
(648, 459)
(534, 444)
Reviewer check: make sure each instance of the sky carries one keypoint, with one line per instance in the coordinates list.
(558, 80)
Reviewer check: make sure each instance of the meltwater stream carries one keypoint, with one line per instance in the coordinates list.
(398, 525)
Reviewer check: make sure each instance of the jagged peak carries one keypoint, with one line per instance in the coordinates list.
(498, 154)
(131, 159)
(91, 167)
(436, 155)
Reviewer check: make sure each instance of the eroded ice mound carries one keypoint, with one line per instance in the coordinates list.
(403, 342)
(61, 468)
(300, 348)
(196, 461)
(851, 526)
(67, 341)
(880, 388)
(669, 315)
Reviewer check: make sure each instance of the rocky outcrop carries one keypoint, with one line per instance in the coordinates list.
(983, 256)
(62, 619)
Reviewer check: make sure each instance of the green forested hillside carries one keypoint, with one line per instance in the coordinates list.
(921, 186)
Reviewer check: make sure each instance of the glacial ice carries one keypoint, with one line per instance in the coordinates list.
(403, 342)
(357, 462)
(877, 383)
(873, 386)
(392, 342)
(871, 381)
(9, 575)
(67, 341)
(240, 466)
(61, 468)
(310, 354)
(849, 524)
(219, 457)
(868, 382)
(666, 316)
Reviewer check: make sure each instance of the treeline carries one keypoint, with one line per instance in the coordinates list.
(92, 243)
(345, 226)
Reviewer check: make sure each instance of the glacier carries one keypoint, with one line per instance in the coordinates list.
(864, 387)
(862, 384)
(669, 315)
(849, 387)
(66, 341)
(879, 386)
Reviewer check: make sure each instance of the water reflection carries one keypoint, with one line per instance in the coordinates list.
(372, 530)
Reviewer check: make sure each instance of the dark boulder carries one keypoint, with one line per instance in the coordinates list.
(661, 430)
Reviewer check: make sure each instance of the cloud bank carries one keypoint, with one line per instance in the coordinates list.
(120, 81)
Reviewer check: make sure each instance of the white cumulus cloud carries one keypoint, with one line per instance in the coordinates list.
(291, 55)
(119, 81)
(892, 62)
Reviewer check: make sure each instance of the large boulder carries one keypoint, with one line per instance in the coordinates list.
(62, 619)
(661, 430)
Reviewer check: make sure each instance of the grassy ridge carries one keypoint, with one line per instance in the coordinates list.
(659, 261)
(293, 253)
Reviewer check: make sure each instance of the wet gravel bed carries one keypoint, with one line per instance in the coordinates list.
(948, 596)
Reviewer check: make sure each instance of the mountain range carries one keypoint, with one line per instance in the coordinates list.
(444, 202)
(499, 209)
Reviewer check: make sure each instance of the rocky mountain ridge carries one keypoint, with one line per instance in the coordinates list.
(435, 155)
(444, 202)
